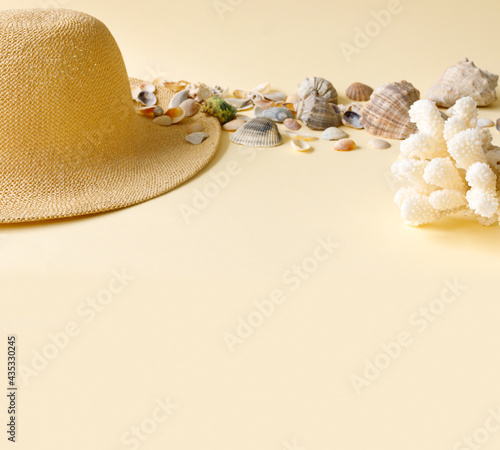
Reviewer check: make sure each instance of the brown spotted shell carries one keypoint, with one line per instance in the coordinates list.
(359, 92)
(386, 114)
(318, 114)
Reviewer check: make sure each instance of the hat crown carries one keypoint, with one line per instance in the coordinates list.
(62, 82)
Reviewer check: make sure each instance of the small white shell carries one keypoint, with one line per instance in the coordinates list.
(300, 145)
(163, 121)
(300, 135)
(378, 144)
(233, 125)
(195, 127)
(277, 97)
(482, 123)
(190, 107)
(135, 92)
(178, 98)
(197, 137)
(333, 133)
(148, 87)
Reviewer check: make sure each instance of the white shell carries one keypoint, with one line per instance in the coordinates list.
(197, 137)
(199, 91)
(259, 132)
(148, 87)
(233, 125)
(164, 121)
(190, 107)
(482, 123)
(135, 92)
(195, 127)
(262, 88)
(300, 135)
(300, 145)
(333, 133)
(378, 144)
(178, 98)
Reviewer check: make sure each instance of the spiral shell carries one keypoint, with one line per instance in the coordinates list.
(318, 87)
(220, 109)
(259, 132)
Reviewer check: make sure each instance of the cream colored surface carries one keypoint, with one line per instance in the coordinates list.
(290, 381)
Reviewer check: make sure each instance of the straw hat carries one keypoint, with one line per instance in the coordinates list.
(71, 142)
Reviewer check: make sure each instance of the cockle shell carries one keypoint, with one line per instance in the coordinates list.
(147, 98)
(196, 138)
(259, 132)
(164, 121)
(291, 124)
(464, 79)
(359, 92)
(300, 145)
(277, 113)
(352, 119)
(318, 87)
(178, 98)
(378, 144)
(344, 145)
(220, 109)
(386, 114)
(190, 106)
(317, 113)
(333, 133)
(199, 91)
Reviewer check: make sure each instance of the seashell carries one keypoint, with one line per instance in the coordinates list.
(318, 87)
(176, 114)
(199, 91)
(135, 90)
(359, 92)
(483, 123)
(175, 86)
(300, 145)
(238, 93)
(219, 108)
(291, 124)
(195, 127)
(262, 88)
(264, 104)
(178, 98)
(378, 144)
(147, 98)
(196, 138)
(333, 133)
(233, 125)
(150, 111)
(259, 132)
(352, 119)
(386, 114)
(317, 113)
(497, 125)
(344, 145)
(278, 97)
(190, 106)
(292, 98)
(300, 135)
(241, 104)
(354, 107)
(464, 79)
(277, 113)
(164, 121)
(242, 117)
(254, 96)
(148, 87)
(218, 91)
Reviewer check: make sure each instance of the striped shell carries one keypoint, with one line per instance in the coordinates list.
(359, 92)
(259, 132)
(220, 109)
(318, 87)
(386, 114)
(277, 113)
(318, 114)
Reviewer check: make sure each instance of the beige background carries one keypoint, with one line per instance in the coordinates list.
(288, 385)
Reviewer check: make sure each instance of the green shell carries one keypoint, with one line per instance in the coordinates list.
(219, 108)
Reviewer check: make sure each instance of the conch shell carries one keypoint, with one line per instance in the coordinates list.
(318, 87)
(464, 79)
(386, 114)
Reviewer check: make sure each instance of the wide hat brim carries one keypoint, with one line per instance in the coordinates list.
(157, 160)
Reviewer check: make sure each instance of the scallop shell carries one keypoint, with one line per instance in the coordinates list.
(178, 98)
(196, 138)
(344, 145)
(300, 145)
(147, 98)
(359, 92)
(386, 114)
(317, 113)
(291, 124)
(259, 132)
(277, 113)
(352, 119)
(220, 109)
(464, 79)
(318, 87)
(333, 133)
(190, 106)
(378, 144)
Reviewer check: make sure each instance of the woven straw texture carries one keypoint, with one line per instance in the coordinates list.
(71, 142)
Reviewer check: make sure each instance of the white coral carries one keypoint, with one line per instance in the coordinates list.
(450, 166)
